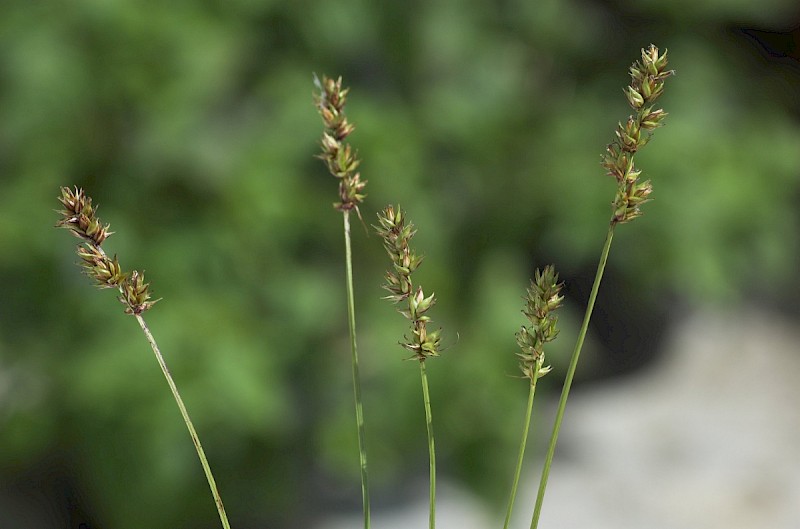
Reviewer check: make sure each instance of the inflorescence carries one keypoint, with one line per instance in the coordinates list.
(80, 218)
(544, 297)
(340, 158)
(647, 84)
(396, 235)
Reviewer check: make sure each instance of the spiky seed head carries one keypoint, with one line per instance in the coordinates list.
(135, 294)
(542, 299)
(340, 159)
(647, 84)
(80, 217)
(106, 272)
(396, 234)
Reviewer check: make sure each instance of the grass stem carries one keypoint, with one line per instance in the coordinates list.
(351, 321)
(431, 450)
(195, 439)
(522, 444)
(573, 364)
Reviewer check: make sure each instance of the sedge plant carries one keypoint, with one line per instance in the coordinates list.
(423, 344)
(542, 299)
(647, 84)
(342, 162)
(79, 216)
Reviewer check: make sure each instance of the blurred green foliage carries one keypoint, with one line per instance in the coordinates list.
(191, 125)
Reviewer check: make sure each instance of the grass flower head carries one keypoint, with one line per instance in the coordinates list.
(646, 86)
(543, 298)
(340, 158)
(397, 234)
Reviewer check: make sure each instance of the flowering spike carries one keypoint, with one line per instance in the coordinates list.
(135, 294)
(396, 235)
(79, 216)
(106, 272)
(341, 160)
(647, 84)
(543, 298)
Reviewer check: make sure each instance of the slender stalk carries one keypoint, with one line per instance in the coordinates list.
(342, 162)
(522, 444)
(431, 450)
(562, 403)
(396, 234)
(195, 439)
(351, 321)
(79, 216)
(646, 86)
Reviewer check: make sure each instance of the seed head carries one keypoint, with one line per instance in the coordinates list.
(79, 216)
(341, 160)
(106, 272)
(647, 84)
(135, 294)
(543, 298)
(396, 235)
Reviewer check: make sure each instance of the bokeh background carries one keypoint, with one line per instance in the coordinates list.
(191, 124)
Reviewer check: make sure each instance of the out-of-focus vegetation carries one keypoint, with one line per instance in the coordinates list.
(191, 124)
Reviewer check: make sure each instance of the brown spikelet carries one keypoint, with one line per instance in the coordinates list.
(340, 158)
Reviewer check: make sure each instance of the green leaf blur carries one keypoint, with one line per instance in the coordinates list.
(192, 126)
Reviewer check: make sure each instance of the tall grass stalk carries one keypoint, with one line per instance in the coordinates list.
(185, 414)
(647, 84)
(521, 456)
(543, 298)
(351, 323)
(397, 234)
(426, 397)
(573, 364)
(342, 163)
(79, 216)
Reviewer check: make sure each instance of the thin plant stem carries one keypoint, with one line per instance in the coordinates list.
(573, 364)
(522, 444)
(80, 218)
(195, 439)
(396, 234)
(431, 450)
(351, 321)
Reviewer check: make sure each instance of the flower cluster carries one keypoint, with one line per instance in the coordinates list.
(396, 235)
(106, 272)
(647, 84)
(544, 297)
(340, 158)
(80, 217)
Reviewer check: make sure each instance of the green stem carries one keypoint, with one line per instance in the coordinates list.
(195, 439)
(431, 451)
(351, 322)
(522, 444)
(562, 403)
